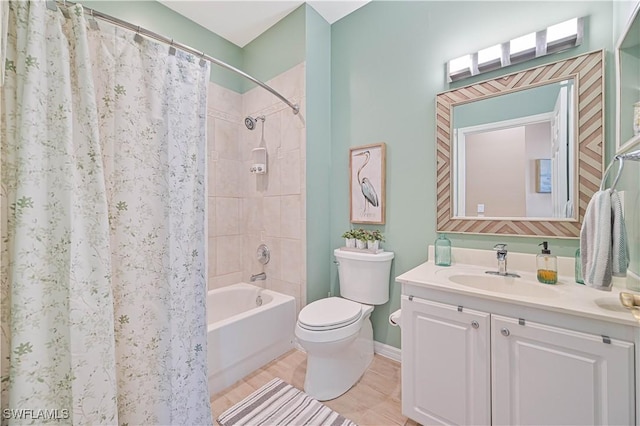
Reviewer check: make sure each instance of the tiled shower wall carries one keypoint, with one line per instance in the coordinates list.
(246, 210)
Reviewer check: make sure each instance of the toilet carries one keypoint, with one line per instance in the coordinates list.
(336, 332)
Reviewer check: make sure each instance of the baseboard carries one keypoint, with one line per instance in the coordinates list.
(387, 351)
(381, 349)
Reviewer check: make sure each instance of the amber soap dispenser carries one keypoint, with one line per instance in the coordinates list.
(547, 265)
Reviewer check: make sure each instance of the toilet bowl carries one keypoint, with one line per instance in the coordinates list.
(339, 345)
(336, 332)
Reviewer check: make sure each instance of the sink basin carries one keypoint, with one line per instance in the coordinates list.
(505, 285)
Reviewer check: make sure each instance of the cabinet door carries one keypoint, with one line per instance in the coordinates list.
(445, 364)
(546, 375)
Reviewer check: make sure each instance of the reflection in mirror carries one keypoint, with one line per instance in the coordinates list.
(565, 170)
(528, 139)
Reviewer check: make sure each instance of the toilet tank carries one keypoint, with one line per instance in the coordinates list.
(364, 277)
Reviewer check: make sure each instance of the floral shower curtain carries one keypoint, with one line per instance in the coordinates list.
(102, 278)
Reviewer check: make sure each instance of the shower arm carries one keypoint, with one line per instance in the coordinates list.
(632, 156)
(51, 4)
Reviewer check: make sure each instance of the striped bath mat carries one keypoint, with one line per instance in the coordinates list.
(279, 403)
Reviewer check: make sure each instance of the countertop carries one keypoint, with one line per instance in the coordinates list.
(572, 298)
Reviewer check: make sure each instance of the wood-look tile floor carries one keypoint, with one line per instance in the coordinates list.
(374, 400)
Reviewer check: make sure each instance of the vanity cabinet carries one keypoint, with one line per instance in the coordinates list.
(548, 375)
(463, 366)
(450, 385)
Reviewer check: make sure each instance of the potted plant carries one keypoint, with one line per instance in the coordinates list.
(361, 238)
(349, 238)
(374, 239)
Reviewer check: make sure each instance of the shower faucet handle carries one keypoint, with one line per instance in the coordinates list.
(263, 254)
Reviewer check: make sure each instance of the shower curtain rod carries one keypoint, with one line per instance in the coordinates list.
(153, 35)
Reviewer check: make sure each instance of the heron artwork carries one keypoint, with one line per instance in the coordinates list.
(368, 191)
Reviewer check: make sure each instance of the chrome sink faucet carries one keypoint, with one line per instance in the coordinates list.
(501, 254)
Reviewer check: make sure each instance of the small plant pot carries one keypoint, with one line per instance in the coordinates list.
(373, 245)
(361, 244)
(350, 242)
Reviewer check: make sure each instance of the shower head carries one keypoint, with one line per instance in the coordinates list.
(250, 122)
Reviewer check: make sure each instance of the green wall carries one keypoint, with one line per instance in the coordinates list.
(318, 164)
(276, 50)
(159, 18)
(388, 64)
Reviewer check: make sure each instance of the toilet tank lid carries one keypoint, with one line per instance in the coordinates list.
(369, 257)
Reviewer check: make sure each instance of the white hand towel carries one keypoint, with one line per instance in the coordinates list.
(596, 242)
(619, 244)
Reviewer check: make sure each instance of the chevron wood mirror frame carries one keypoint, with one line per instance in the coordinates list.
(587, 70)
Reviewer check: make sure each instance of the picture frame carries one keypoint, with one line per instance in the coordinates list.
(543, 175)
(367, 175)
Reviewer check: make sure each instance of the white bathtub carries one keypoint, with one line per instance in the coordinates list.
(242, 336)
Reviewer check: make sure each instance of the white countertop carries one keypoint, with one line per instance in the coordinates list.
(571, 298)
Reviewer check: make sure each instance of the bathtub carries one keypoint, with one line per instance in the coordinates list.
(247, 327)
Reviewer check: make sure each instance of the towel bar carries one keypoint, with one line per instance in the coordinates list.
(633, 156)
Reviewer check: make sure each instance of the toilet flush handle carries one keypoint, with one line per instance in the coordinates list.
(336, 262)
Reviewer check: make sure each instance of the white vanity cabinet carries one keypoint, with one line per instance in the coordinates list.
(464, 364)
(548, 375)
(450, 385)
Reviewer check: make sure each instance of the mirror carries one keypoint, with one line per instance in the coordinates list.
(528, 138)
(557, 175)
(628, 84)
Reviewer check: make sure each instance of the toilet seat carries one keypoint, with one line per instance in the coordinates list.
(329, 314)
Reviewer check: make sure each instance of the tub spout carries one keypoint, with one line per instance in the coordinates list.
(261, 276)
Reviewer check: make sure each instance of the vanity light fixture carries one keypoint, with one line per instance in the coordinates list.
(553, 39)
(460, 66)
(490, 58)
(522, 47)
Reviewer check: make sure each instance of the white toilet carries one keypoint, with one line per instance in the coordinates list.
(336, 332)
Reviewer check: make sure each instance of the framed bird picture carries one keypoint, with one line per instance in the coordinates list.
(367, 182)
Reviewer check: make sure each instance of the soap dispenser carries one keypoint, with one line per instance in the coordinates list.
(443, 251)
(547, 265)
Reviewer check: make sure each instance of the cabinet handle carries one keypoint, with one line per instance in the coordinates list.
(505, 331)
(475, 324)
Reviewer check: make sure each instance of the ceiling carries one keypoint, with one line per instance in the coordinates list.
(241, 21)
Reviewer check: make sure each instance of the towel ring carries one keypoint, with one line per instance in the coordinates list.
(606, 173)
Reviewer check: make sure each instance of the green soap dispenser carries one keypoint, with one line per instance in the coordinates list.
(547, 265)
